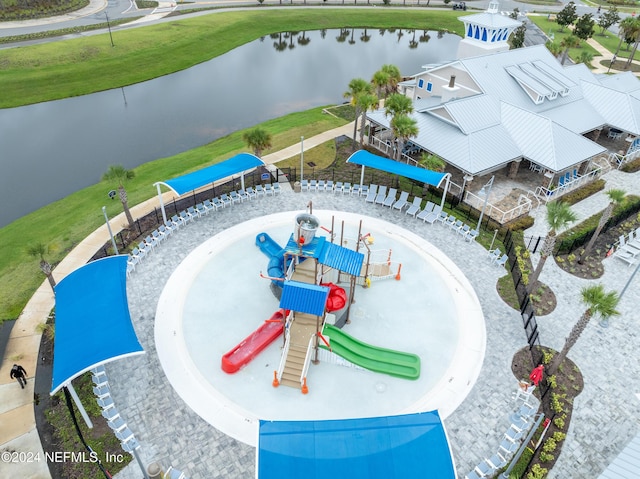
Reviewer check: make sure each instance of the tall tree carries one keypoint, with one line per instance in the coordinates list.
(585, 27)
(568, 42)
(627, 30)
(616, 197)
(380, 80)
(633, 36)
(40, 251)
(559, 215)
(608, 19)
(517, 40)
(357, 87)
(394, 78)
(597, 301)
(367, 102)
(566, 16)
(403, 127)
(258, 139)
(554, 47)
(397, 104)
(120, 175)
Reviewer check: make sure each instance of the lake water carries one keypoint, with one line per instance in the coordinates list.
(52, 149)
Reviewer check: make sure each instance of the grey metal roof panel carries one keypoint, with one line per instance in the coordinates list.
(474, 113)
(623, 82)
(627, 464)
(578, 116)
(491, 20)
(614, 106)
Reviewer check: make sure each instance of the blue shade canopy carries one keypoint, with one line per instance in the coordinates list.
(364, 158)
(93, 325)
(197, 179)
(393, 447)
(343, 259)
(304, 298)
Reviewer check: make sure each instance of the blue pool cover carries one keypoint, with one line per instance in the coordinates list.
(93, 325)
(391, 447)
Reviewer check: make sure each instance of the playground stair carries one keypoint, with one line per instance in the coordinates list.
(301, 331)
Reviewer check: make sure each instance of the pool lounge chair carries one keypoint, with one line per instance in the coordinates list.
(390, 199)
(402, 201)
(260, 190)
(414, 208)
(434, 215)
(338, 187)
(235, 197)
(502, 261)
(346, 188)
(268, 189)
(276, 188)
(243, 195)
(329, 186)
(471, 236)
(313, 185)
(373, 192)
(322, 185)
(382, 195)
(191, 211)
(464, 231)
(305, 185)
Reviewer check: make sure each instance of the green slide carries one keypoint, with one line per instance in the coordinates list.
(380, 360)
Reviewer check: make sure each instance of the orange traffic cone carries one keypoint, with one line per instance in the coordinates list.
(275, 382)
(305, 389)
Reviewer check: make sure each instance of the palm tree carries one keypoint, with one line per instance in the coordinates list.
(120, 175)
(357, 87)
(394, 78)
(39, 250)
(554, 47)
(380, 80)
(258, 139)
(616, 197)
(368, 101)
(559, 215)
(598, 302)
(570, 41)
(627, 29)
(633, 33)
(403, 127)
(397, 104)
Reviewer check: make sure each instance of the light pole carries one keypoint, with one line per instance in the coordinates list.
(301, 157)
(628, 282)
(106, 218)
(486, 199)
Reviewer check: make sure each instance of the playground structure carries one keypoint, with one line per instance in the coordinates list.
(305, 275)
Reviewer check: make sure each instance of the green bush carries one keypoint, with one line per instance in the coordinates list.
(521, 466)
(583, 192)
(585, 229)
(559, 421)
(537, 472)
(549, 445)
(520, 224)
(631, 167)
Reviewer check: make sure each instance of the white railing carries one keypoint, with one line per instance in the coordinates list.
(619, 160)
(307, 360)
(285, 353)
(387, 147)
(547, 194)
(524, 205)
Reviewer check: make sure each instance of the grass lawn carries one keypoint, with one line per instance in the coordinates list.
(84, 65)
(551, 27)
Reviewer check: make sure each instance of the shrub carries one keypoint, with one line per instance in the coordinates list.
(537, 472)
(583, 192)
(552, 382)
(521, 223)
(559, 421)
(556, 402)
(546, 457)
(631, 167)
(559, 436)
(547, 356)
(549, 445)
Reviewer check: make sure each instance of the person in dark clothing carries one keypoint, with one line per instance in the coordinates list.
(20, 374)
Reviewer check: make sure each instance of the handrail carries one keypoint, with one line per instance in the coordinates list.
(307, 360)
(285, 352)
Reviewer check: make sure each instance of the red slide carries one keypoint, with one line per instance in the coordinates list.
(254, 343)
(337, 297)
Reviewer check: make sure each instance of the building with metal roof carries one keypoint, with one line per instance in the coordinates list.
(484, 112)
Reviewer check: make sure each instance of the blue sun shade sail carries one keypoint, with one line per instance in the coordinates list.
(370, 160)
(93, 325)
(304, 298)
(198, 179)
(393, 447)
(343, 259)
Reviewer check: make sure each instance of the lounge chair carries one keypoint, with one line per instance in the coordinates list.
(434, 215)
(471, 236)
(202, 209)
(414, 208)
(402, 201)
(110, 414)
(371, 196)
(464, 231)
(313, 185)
(346, 188)
(178, 220)
(483, 469)
(117, 423)
(106, 402)
(260, 190)
(355, 190)
(497, 461)
(390, 198)
(268, 189)
(243, 195)
(138, 254)
(150, 242)
(472, 475)
(451, 221)
(329, 186)
(211, 205)
(192, 213)
(322, 185)
(124, 434)
(382, 195)
(364, 190)
(457, 226)
(226, 200)
(102, 391)
(251, 193)
(502, 261)
(507, 448)
(442, 217)
(276, 188)
(156, 235)
(130, 446)
(305, 185)
(338, 187)
(494, 254)
(235, 197)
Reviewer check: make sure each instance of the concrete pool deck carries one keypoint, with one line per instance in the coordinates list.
(605, 414)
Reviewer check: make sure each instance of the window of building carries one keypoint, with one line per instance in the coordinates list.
(429, 86)
(421, 83)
